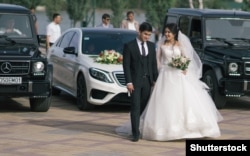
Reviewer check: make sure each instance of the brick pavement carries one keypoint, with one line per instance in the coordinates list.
(66, 131)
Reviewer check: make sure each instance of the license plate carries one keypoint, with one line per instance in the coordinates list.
(10, 80)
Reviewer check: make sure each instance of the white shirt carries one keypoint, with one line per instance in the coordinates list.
(131, 26)
(140, 47)
(53, 31)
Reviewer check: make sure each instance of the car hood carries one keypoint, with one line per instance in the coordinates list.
(19, 50)
(90, 61)
(232, 52)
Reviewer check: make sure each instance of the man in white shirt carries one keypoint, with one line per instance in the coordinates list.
(130, 23)
(53, 30)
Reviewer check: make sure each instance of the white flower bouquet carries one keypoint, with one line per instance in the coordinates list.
(109, 57)
(180, 62)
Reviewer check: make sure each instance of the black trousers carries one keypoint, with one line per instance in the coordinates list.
(139, 99)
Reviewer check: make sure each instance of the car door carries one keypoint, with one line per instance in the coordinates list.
(60, 61)
(72, 64)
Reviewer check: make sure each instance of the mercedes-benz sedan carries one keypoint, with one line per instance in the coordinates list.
(78, 72)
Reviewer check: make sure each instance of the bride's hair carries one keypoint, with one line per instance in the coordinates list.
(173, 28)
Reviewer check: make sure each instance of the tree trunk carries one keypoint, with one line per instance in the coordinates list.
(191, 5)
(201, 4)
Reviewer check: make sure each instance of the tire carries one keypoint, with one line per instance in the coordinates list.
(82, 102)
(55, 91)
(40, 104)
(210, 79)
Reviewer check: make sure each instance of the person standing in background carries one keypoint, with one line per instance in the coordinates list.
(53, 30)
(105, 21)
(130, 23)
(32, 10)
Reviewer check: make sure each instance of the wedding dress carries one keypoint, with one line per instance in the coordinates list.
(179, 106)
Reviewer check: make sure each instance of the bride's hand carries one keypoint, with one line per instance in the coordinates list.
(184, 72)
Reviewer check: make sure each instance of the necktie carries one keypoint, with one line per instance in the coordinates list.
(143, 49)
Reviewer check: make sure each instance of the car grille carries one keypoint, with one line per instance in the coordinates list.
(120, 78)
(14, 67)
(247, 68)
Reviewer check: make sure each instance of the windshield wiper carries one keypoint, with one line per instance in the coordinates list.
(8, 39)
(243, 39)
(218, 39)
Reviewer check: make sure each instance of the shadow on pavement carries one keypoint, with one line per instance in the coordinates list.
(11, 105)
(67, 127)
(242, 103)
(69, 102)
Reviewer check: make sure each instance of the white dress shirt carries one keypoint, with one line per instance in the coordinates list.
(140, 47)
(53, 31)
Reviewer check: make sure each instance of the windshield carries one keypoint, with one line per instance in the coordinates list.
(93, 44)
(15, 26)
(227, 28)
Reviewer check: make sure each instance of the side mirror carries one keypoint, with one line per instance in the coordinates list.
(70, 50)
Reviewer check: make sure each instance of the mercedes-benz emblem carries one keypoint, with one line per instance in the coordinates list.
(6, 67)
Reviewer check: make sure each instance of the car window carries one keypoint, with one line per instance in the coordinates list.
(66, 39)
(93, 44)
(75, 41)
(220, 27)
(195, 28)
(183, 24)
(15, 25)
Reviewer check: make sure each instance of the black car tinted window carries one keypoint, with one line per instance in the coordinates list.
(66, 39)
(93, 44)
(15, 25)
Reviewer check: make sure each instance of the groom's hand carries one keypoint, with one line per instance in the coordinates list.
(130, 87)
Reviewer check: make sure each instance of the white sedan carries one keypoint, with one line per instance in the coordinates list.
(77, 72)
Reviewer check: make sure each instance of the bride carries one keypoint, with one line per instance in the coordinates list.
(179, 106)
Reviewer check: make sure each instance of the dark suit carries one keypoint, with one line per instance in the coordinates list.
(134, 70)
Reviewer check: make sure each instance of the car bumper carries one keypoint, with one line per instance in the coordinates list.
(236, 88)
(100, 93)
(34, 89)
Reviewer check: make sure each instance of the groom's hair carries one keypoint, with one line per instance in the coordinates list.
(145, 26)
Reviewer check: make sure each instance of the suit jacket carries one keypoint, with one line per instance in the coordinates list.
(133, 63)
(124, 25)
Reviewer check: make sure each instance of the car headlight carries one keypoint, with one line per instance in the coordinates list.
(38, 67)
(100, 75)
(233, 67)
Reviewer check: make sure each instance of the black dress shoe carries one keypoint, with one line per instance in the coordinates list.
(135, 139)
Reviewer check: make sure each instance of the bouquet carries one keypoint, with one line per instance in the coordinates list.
(109, 57)
(180, 62)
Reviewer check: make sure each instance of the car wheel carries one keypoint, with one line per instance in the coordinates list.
(82, 102)
(55, 91)
(210, 79)
(40, 104)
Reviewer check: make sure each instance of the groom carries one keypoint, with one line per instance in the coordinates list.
(140, 69)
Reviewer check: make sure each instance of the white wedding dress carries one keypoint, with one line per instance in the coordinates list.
(179, 106)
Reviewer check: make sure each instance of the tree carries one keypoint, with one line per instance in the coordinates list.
(246, 5)
(77, 9)
(53, 6)
(117, 7)
(155, 11)
(25, 3)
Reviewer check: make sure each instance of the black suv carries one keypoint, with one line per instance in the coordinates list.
(222, 40)
(24, 71)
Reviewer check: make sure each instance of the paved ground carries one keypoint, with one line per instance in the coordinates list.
(66, 131)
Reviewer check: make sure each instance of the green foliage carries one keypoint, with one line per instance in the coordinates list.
(25, 3)
(53, 6)
(246, 5)
(77, 9)
(117, 7)
(155, 12)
